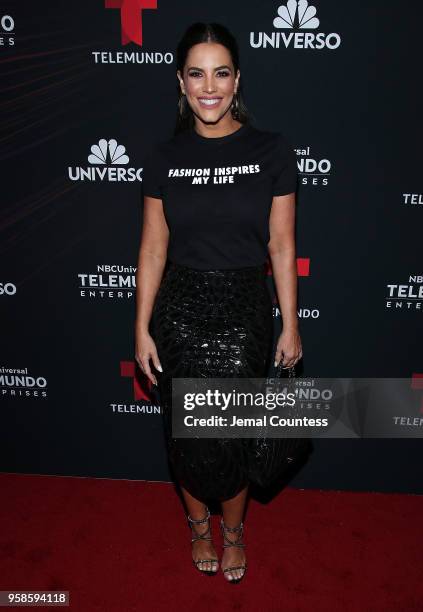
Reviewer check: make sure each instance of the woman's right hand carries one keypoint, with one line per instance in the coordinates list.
(145, 349)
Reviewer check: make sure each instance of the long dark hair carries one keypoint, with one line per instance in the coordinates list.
(199, 33)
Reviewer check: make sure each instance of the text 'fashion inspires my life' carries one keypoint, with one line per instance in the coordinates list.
(220, 174)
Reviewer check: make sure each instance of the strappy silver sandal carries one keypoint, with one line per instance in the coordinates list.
(202, 536)
(228, 543)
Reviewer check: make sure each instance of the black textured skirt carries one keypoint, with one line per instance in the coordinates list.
(210, 323)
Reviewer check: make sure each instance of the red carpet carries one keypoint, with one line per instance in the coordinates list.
(121, 546)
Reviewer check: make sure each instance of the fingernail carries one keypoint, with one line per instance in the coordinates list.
(276, 363)
(160, 368)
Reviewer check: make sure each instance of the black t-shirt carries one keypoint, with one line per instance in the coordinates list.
(217, 194)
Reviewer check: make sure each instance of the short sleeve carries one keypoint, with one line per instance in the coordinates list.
(285, 168)
(151, 175)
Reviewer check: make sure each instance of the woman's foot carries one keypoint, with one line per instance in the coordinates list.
(203, 552)
(234, 563)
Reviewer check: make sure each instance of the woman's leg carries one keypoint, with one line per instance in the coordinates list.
(201, 549)
(233, 513)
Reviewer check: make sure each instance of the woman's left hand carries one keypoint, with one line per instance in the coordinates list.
(288, 348)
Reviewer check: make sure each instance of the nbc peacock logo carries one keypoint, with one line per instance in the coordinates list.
(297, 16)
(111, 149)
(108, 161)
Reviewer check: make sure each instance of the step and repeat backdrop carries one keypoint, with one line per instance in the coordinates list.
(87, 88)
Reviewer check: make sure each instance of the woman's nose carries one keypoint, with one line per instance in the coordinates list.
(209, 85)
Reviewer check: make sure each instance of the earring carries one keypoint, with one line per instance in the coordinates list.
(180, 104)
(235, 106)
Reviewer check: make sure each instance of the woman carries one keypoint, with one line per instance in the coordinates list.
(219, 196)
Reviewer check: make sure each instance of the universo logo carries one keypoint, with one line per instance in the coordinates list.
(293, 16)
(100, 170)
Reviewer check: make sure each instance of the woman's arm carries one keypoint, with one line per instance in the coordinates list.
(282, 254)
(151, 262)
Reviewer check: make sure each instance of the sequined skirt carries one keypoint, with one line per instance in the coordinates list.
(210, 323)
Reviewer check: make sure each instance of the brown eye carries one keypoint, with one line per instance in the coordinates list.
(223, 73)
(194, 73)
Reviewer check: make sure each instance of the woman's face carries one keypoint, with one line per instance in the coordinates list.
(209, 81)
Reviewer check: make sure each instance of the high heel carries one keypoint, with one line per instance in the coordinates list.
(228, 543)
(203, 536)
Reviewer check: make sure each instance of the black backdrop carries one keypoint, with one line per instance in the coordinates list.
(69, 244)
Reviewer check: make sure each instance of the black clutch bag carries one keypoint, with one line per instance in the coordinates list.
(269, 458)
